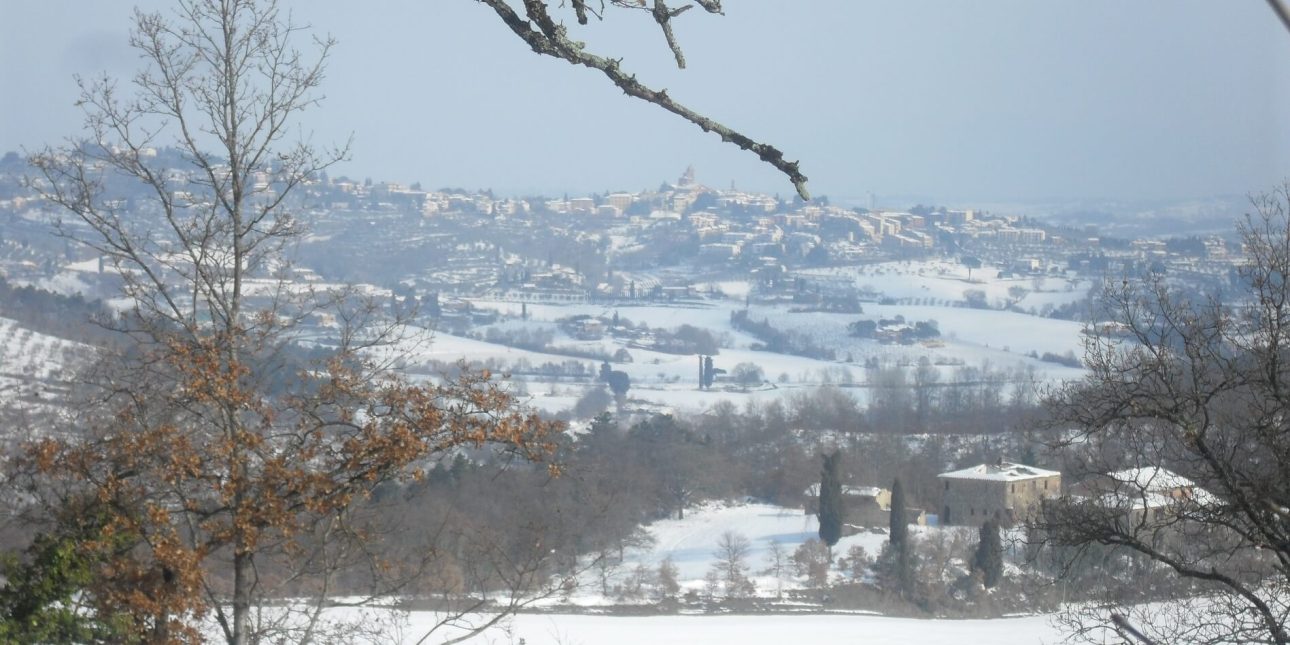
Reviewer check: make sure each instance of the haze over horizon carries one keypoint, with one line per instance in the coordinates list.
(1007, 101)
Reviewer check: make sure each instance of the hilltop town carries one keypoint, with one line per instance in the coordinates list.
(651, 245)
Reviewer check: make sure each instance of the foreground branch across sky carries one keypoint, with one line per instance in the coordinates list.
(545, 36)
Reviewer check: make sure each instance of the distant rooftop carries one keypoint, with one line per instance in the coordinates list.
(1148, 487)
(1003, 472)
(1151, 479)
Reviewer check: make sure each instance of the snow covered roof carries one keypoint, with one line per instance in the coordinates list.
(1130, 501)
(1001, 472)
(1152, 479)
(1148, 487)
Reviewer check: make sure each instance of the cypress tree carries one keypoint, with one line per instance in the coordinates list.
(830, 511)
(898, 542)
(989, 554)
(899, 534)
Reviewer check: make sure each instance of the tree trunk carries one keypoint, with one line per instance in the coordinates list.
(241, 597)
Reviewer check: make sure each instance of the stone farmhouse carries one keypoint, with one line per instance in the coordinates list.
(1143, 495)
(1003, 490)
(865, 507)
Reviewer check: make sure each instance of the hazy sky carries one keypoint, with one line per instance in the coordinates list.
(992, 100)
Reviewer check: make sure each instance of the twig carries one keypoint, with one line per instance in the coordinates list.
(1281, 11)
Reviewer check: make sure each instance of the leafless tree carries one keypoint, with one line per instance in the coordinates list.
(732, 564)
(812, 559)
(777, 565)
(233, 467)
(1180, 449)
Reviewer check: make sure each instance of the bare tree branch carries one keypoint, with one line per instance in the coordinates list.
(1280, 9)
(551, 39)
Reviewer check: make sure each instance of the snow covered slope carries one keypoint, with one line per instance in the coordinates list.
(36, 369)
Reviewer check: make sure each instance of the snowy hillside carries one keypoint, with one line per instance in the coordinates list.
(916, 292)
(941, 282)
(35, 369)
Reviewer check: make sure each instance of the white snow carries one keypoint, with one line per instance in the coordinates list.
(944, 281)
(573, 629)
(1001, 472)
(969, 337)
(1151, 479)
(691, 543)
(35, 367)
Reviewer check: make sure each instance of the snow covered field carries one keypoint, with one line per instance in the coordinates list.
(575, 629)
(692, 542)
(920, 291)
(942, 282)
(34, 366)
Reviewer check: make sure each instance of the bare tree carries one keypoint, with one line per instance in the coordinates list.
(1016, 293)
(777, 565)
(748, 374)
(732, 564)
(857, 562)
(668, 585)
(813, 559)
(229, 463)
(1179, 445)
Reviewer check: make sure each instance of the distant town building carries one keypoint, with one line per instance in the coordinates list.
(583, 205)
(621, 201)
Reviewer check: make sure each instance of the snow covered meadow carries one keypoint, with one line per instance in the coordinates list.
(1009, 339)
(585, 629)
